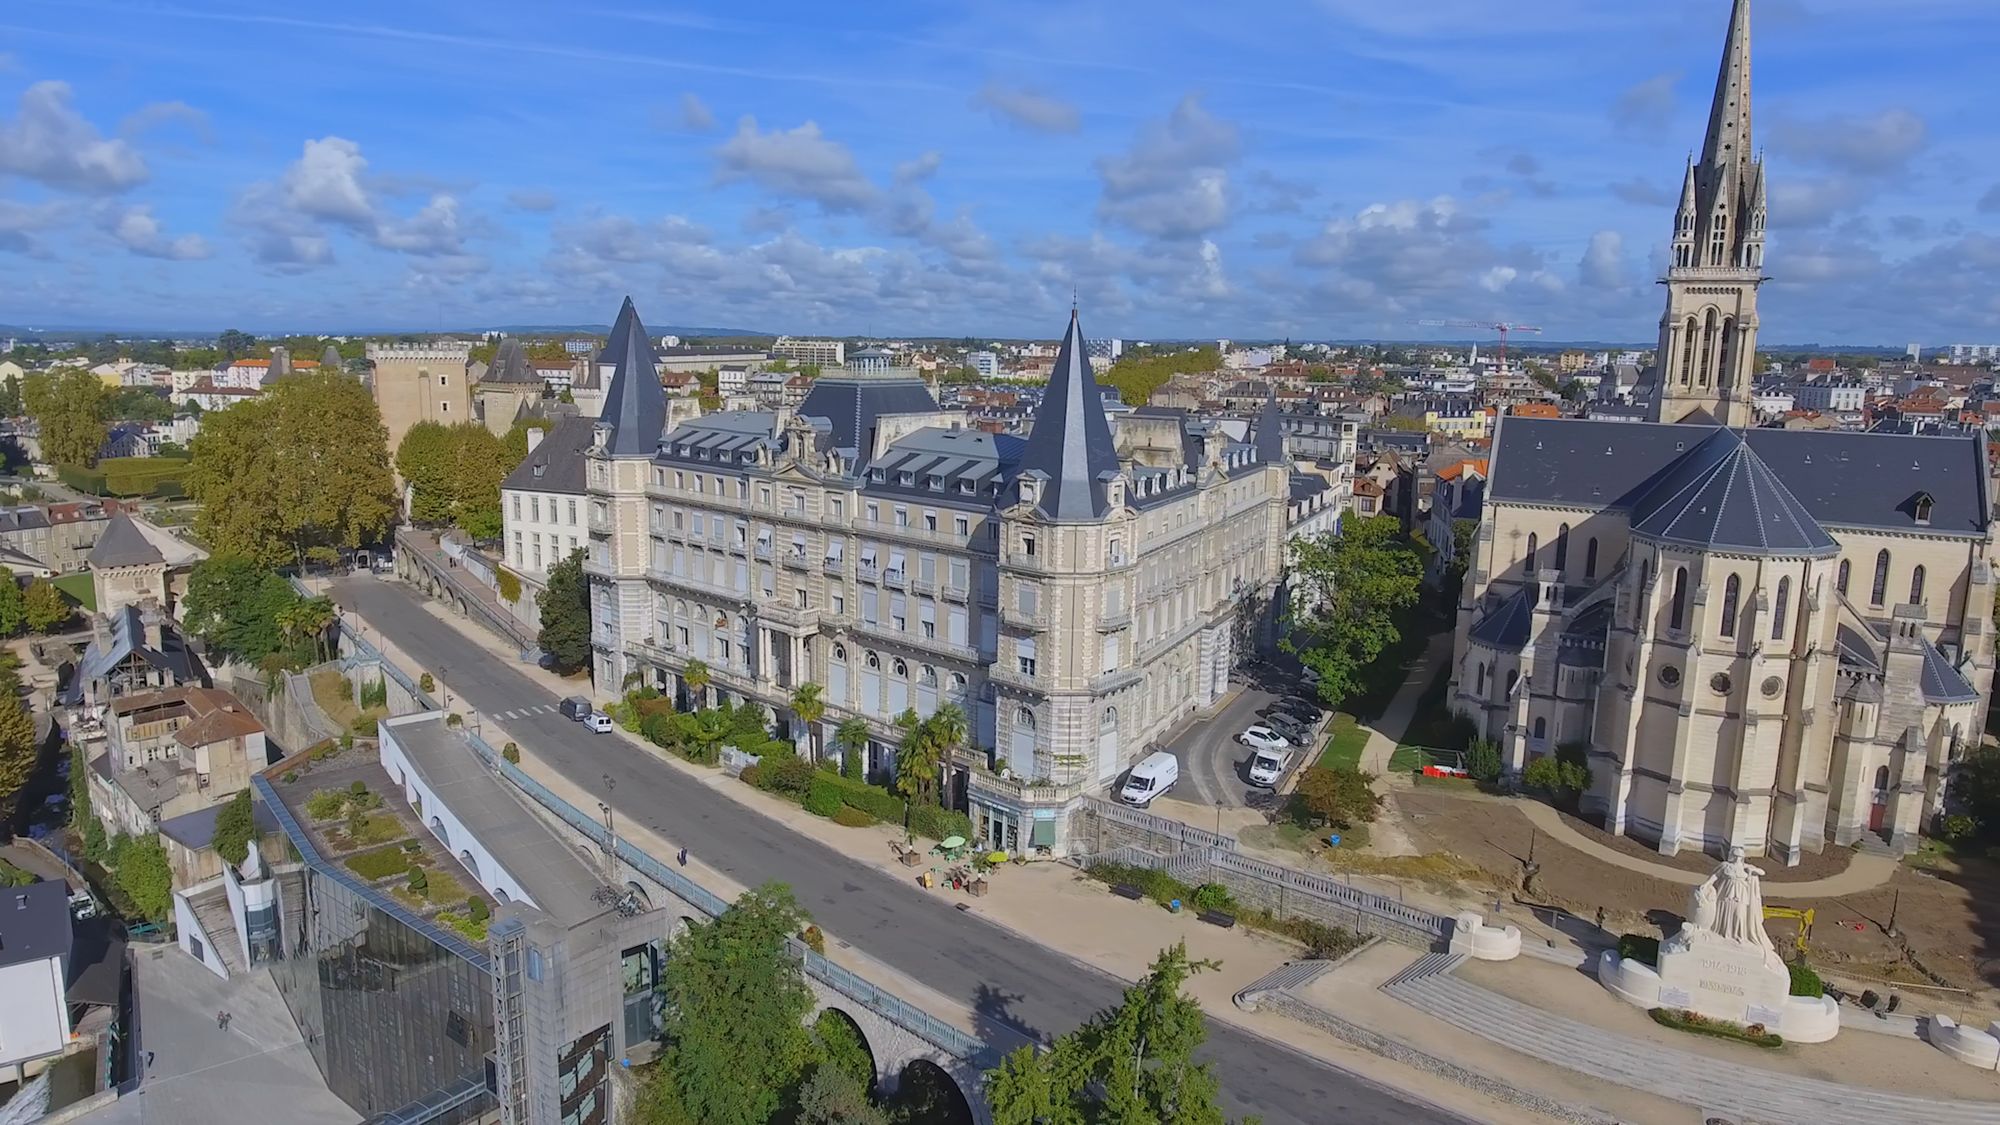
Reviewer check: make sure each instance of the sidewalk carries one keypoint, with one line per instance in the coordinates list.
(1047, 904)
(1386, 732)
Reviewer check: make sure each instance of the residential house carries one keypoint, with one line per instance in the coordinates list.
(172, 751)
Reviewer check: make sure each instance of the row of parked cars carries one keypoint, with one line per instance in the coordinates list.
(1286, 727)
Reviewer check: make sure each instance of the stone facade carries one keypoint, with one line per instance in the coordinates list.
(420, 383)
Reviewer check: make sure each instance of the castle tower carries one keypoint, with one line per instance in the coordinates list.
(1708, 334)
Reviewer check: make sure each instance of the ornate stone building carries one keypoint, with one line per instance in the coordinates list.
(1077, 592)
(1767, 638)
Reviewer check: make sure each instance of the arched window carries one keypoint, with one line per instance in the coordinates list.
(1687, 351)
(1728, 355)
(1024, 718)
(927, 674)
(1562, 548)
(1881, 589)
(1781, 609)
(840, 654)
(1482, 681)
(1917, 586)
(1645, 574)
(1512, 679)
(1541, 729)
(1732, 591)
(958, 681)
(898, 669)
(1881, 779)
(1109, 721)
(1707, 370)
(1679, 617)
(1528, 560)
(1840, 579)
(1590, 558)
(872, 660)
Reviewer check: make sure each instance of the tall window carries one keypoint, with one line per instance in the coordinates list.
(1590, 559)
(1679, 616)
(1840, 579)
(1731, 592)
(1562, 548)
(1781, 609)
(1917, 586)
(1528, 560)
(1482, 681)
(1881, 589)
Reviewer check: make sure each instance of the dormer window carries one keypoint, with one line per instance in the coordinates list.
(1923, 507)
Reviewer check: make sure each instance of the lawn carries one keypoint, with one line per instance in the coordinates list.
(379, 864)
(335, 696)
(79, 589)
(1347, 739)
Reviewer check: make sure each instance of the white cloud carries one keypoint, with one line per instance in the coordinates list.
(290, 219)
(20, 222)
(1174, 181)
(158, 114)
(1603, 262)
(142, 234)
(1860, 144)
(49, 142)
(1028, 108)
(799, 163)
(918, 169)
(325, 183)
(1641, 192)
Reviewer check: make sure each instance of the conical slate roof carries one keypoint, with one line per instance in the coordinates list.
(331, 358)
(510, 365)
(1269, 434)
(1721, 496)
(1071, 444)
(635, 405)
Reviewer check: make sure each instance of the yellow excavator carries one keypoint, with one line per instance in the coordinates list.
(1803, 917)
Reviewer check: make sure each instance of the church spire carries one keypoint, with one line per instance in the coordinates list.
(1728, 139)
(1070, 444)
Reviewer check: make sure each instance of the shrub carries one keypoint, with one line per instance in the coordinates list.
(850, 817)
(425, 684)
(358, 789)
(508, 586)
(477, 908)
(1482, 760)
(871, 799)
(823, 800)
(1805, 980)
(1214, 896)
(511, 753)
(454, 720)
(1563, 781)
(378, 864)
(1322, 942)
(1341, 797)
(374, 694)
(1157, 885)
(937, 823)
(326, 804)
(1957, 828)
(752, 775)
(366, 726)
(1643, 948)
(1721, 1029)
(789, 774)
(814, 939)
(419, 881)
(851, 766)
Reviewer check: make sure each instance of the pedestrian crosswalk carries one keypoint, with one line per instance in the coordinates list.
(524, 712)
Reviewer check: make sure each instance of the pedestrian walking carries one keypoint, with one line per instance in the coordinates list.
(682, 858)
(221, 1019)
(226, 1017)
(1600, 918)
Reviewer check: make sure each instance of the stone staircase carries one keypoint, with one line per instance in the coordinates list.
(1743, 1093)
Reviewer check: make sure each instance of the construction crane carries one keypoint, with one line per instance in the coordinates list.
(1501, 327)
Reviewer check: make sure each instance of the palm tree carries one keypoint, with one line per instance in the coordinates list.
(706, 736)
(695, 676)
(916, 757)
(810, 708)
(852, 738)
(948, 733)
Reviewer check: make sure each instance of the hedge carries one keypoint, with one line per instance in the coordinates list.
(823, 800)
(850, 817)
(938, 823)
(1157, 885)
(81, 479)
(142, 476)
(871, 799)
(1805, 980)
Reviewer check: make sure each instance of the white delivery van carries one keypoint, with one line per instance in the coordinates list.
(1267, 766)
(1154, 775)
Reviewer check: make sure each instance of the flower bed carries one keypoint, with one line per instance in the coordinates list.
(1683, 1020)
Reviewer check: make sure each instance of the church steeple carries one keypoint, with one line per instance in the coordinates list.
(1070, 445)
(1708, 335)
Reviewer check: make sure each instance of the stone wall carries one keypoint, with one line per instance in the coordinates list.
(1097, 826)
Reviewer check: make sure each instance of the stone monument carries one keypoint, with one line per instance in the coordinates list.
(1722, 964)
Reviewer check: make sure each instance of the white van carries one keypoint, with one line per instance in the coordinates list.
(598, 721)
(1154, 775)
(1267, 766)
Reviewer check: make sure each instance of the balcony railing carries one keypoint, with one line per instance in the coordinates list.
(1116, 679)
(763, 551)
(791, 616)
(923, 585)
(1016, 617)
(1022, 560)
(1012, 676)
(834, 566)
(696, 585)
(866, 572)
(797, 562)
(956, 593)
(1112, 622)
(895, 579)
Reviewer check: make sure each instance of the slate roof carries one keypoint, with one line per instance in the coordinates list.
(1840, 478)
(953, 458)
(555, 465)
(1507, 627)
(331, 358)
(1721, 496)
(128, 639)
(34, 922)
(123, 545)
(852, 404)
(510, 365)
(1070, 444)
(724, 437)
(1269, 433)
(196, 830)
(1942, 682)
(1856, 649)
(635, 405)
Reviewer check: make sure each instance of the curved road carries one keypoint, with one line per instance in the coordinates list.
(1029, 987)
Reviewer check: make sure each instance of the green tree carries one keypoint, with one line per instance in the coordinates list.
(810, 708)
(19, 753)
(234, 344)
(1130, 1064)
(13, 605)
(298, 473)
(852, 738)
(1352, 588)
(916, 757)
(454, 474)
(1141, 371)
(949, 731)
(238, 607)
(306, 620)
(696, 677)
(565, 607)
(517, 439)
(10, 397)
(423, 460)
(141, 869)
(833, 1096)
(735, 1004)
(47, 609)
(70, 415)
(235, 828)
(1339, 796)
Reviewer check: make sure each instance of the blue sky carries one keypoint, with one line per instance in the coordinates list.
(1313, 168)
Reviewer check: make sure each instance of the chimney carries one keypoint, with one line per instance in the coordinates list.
(535, 434)
(150, 617)
(100, 629)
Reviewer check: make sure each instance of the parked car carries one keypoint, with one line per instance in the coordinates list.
(575, 707)
(1288, 728)
(1261, 736)
(1267, 766)
(1304, 720)
(598, 721)
(1303, 705)
(1154, 775)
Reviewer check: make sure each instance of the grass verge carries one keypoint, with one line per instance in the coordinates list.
(79, 588)
(1718, 1029)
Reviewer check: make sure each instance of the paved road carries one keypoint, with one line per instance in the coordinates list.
(992, 970)
(1213, 764)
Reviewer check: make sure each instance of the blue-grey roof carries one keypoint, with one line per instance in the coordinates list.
(852, 404)
(1721, 496)
(510, 365)
(127, 640)
(34, 922)
(1942, 682)
(1269, 432)
(1507, 627)
(1070, 444)
(946, 464)
(1856, 649)
(635, 405)
(196, 830)
(726, 437)
(1841, 478)
(556, 464)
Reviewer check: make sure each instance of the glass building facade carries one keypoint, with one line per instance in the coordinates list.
(393, 1017)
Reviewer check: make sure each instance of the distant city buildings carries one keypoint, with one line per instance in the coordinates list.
(826, 353)
(1973, 353)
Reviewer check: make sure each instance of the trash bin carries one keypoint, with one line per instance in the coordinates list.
(1174, 905)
